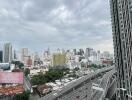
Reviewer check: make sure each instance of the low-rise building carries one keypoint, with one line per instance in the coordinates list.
(107, 62)
(44, 89)
(11, 83)
(5, 66)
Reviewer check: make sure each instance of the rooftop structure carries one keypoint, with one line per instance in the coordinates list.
(11, 77)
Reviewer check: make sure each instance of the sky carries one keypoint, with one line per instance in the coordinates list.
(68, 24)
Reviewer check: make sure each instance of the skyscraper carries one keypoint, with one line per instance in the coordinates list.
(7, 53)
(88, 53)
(81, 52)
(74, 51)
(121, 14)
(14, 55)
(24, 54)
(98, 55)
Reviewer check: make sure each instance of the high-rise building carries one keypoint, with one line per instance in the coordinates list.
(14, 55)
(1, 56)
(74, 51)
(59, 59)
(24, 54)
(81, 52)
(36, 56)
(88, 53)
(121, 14)
(93, 56)
(48, 51)
(7, 53)
(29, 62)
(98, 55)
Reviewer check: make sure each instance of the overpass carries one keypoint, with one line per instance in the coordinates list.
(107, 83)
(81, 89)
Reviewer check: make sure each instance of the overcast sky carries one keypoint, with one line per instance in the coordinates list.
(39, 24)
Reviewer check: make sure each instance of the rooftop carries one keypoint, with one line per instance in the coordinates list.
(11, 90)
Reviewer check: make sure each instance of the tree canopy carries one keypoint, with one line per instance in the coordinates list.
(24, 96)
(18, 64)
(50, 76)
(27, 71)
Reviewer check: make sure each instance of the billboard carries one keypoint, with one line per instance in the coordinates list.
(11, 77)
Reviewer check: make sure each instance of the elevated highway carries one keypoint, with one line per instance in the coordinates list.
(107, 81)
(81, 89)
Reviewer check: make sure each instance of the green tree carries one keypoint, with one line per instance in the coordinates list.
(76, 69)
(27, 71)
(94, 66)
(24, 96)
(18, 64)
(39, 79)
(53, 74)
(21, 65)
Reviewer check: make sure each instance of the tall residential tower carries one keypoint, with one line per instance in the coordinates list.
(121, 14)
(7, 53)
(24, 54)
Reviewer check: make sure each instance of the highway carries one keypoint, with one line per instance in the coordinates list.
(104, 84)
(72, 89)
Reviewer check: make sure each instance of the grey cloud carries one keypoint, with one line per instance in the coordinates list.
(55, 23)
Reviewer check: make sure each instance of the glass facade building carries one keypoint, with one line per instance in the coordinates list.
(7, 53)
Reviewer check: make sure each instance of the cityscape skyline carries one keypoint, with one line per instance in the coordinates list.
(18, 50)
(64, 25)
(65, 50)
